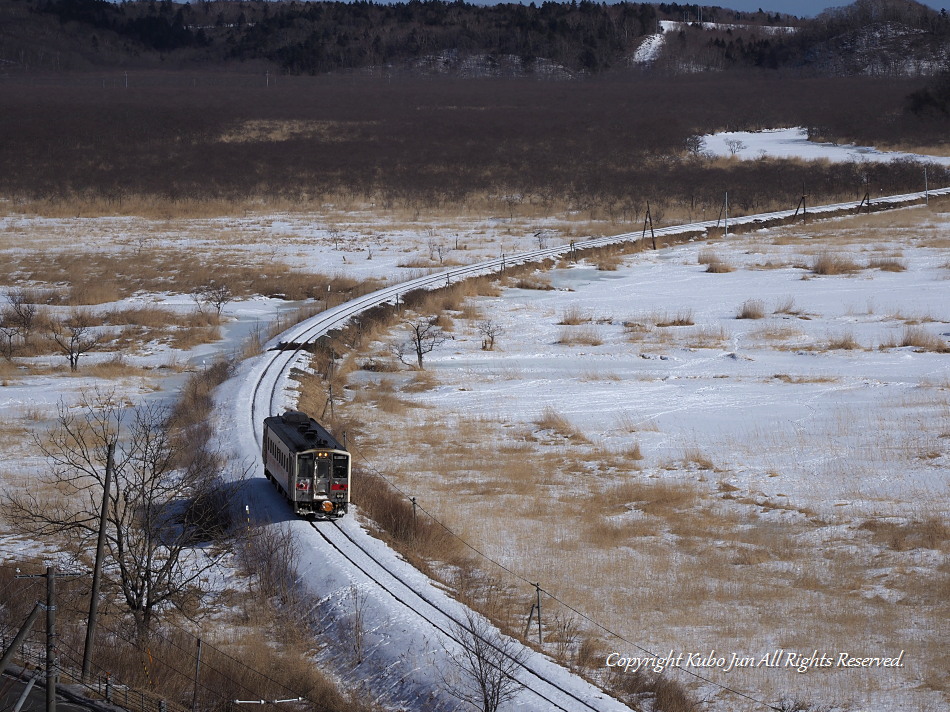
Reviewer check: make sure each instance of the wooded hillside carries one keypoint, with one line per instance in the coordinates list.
(870, 36)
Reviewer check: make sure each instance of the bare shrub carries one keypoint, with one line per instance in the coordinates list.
(751, 309)
(75, 336)
(564, 632)
(155, 471)
(424, 336)
(269, 554)
(590, 654)
(831, 263)
(490, 331)
(483, 674)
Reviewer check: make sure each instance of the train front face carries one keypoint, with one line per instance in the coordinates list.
(322, 486)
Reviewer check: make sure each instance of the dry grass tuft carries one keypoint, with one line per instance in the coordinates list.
(551, 419)
(751, 309)
(608, 263)
(653, 497)
(695, 456)
(580, 336)
(798, 380)
(684, 317)
(787, 306)
(116, 367)
(534, 281)
(573, 316)
(888, 264)
(843, 341)
(633, 452)
(627, 422)
(395, 514)
(714, 264)
(707, 337)
(920, 338)
(830, 263)
(777, 332)
(931, 533)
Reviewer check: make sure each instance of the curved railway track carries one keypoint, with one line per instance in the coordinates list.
(279, 362)
(265, 388)
(446, 622)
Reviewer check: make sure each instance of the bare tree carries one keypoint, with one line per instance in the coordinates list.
(490, 330)
(424, 336)
(75, 335)
(694, 145)
(150, 561)
(270, 554)
(24, 313)
(735, 145)
(8, 332)
(212, 296)
(482, 675)
(359, 597)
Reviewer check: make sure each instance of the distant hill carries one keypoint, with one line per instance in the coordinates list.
(876, 37)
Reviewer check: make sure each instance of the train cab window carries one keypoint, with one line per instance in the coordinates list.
(340, 467)
(305, 466)
(323, 469)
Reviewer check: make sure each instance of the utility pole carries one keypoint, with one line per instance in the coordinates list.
(727, 214)
(23, 632)
(51, 663)
(97, 567)
(194, 697)
(537, 586)
(51, 676)
(648, 218)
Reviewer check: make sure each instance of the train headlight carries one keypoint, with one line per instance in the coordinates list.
(327, 506)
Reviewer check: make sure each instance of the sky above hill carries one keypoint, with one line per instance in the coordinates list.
(806, 8)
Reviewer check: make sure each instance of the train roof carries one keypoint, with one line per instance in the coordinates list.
(301, 432)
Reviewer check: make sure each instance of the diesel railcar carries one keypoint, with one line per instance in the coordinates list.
(307, 464)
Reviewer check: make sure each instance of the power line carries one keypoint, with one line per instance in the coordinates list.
(518, 576)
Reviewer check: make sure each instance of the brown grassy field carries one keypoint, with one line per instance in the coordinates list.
(673, 549)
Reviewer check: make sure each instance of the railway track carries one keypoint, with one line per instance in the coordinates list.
(277, 364)
(264, 387)
(446, 621)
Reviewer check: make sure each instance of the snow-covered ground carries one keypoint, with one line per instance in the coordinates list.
(739, 392)
(808, 426)
(651, 46)
(794, 143)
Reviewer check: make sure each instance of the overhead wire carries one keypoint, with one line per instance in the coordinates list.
(574, 610)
